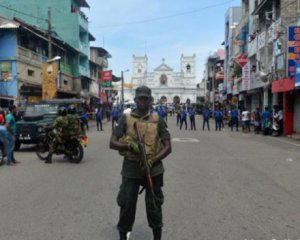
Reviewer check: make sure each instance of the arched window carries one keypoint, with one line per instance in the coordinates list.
(188, 68)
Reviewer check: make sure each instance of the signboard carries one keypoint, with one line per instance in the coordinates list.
(49, 84)
(106, 77)
(6, 71)
(242, 60)
(246, 77)
(297, 75)
(293, 55)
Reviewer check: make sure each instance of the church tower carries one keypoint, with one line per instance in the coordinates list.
(140, 65)
(188, 68)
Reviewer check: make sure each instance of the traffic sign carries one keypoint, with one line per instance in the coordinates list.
(242, 60)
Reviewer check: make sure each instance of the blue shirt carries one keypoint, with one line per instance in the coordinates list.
(183, 113)
(234, 113)
(218, 114)
(265, 115)
(206, 114)
(114, 113)
(192, 113)
(99, 114)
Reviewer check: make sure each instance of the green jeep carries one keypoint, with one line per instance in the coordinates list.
(37, 115)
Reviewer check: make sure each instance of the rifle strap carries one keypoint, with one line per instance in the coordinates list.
(141, 191)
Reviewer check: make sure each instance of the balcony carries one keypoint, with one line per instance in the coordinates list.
(26, 54)
(67, 69)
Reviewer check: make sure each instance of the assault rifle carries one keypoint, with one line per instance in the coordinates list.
(145, 164)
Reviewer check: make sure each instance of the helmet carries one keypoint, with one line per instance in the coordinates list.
(62, 111)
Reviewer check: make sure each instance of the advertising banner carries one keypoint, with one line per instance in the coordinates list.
(106, 77)
(297, 75)
(6, 71)
(293, 55)
(49, 80)
(246, 77)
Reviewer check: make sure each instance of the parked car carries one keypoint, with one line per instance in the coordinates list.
(37, 115)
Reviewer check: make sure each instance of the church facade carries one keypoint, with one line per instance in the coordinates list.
(166, 84)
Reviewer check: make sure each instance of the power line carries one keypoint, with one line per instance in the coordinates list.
(164, 17)
(20, 12)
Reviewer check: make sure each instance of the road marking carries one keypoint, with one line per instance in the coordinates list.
(185, 140)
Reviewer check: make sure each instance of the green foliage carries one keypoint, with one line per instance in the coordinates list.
(237, 70)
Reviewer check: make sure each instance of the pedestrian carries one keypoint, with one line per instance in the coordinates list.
(206, 116)
(11, 127)
(108, 113)
(99, 117)
(192, 118)
(178, 115)
(234, 118)
(115, 117)
(218, 119)
(85, 119)
(124, 139)
(7, 145)
(246, 120)
(183, 118)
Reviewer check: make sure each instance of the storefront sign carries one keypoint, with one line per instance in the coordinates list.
(6, 71)
(297, 75)
(246, 77)
(293, 49)
(49, 85)
(252, 47)
(283, 85)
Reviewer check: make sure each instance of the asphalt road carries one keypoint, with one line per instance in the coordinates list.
(218, 185)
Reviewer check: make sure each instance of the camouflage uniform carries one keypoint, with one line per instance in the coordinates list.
(154, 131)
(73, 127)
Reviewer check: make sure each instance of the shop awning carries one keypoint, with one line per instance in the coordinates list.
(283, 85)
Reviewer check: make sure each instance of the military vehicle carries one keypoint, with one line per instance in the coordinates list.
(39, 114)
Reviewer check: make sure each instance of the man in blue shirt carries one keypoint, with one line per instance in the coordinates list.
(206, 115)
(183, 118)
(11, 128)
(218, 119)
(99, 117)
(192, 118)
(115, 116)
(234, 119)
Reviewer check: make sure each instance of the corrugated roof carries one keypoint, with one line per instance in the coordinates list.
(7, 23)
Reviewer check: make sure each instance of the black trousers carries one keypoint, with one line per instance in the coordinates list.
(193, 124)
(235, 121)
(99, 122)
(207, 122)
(178, 119)
(218, 124)
(127, 200)
(183, 120)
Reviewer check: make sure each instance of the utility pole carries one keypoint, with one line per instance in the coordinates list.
(49, 34)
(122, 88)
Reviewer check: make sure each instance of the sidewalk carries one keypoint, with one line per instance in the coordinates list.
(295, 136)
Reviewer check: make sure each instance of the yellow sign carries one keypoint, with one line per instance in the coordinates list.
(49, 81)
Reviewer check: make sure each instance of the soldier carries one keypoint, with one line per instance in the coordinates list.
(74, 127)
(60, 124)
(156, 138)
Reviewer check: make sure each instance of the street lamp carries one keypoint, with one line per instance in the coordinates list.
(122, 88)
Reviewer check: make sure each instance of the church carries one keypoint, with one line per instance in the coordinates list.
(166, 84)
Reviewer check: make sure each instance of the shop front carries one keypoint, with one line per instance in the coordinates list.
(287, 86)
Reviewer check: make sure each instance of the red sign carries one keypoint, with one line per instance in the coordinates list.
(242, 60)
(103, 96)
(283, 85)
(106, 75)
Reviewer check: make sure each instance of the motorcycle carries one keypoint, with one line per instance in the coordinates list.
(71, 148)
(275, 127)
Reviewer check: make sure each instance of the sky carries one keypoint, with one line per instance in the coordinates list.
(158, 28)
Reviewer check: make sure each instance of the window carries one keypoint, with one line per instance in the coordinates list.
(30, 73)
(66, 82)
(188, 68)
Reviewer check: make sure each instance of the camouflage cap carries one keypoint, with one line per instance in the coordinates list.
(143, 91)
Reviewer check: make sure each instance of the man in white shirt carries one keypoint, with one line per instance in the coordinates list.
(127, 110)
(246, 120)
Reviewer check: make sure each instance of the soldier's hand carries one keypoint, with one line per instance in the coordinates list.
(150, 163)
(134, 147)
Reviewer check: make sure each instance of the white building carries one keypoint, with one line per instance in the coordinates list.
(164, 82)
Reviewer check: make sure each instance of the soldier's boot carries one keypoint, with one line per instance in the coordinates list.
(123, 235)
(49, 159)
(157, 233)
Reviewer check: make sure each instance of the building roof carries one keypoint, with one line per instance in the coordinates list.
(82, 3)
(102, 52)
(8, 24)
